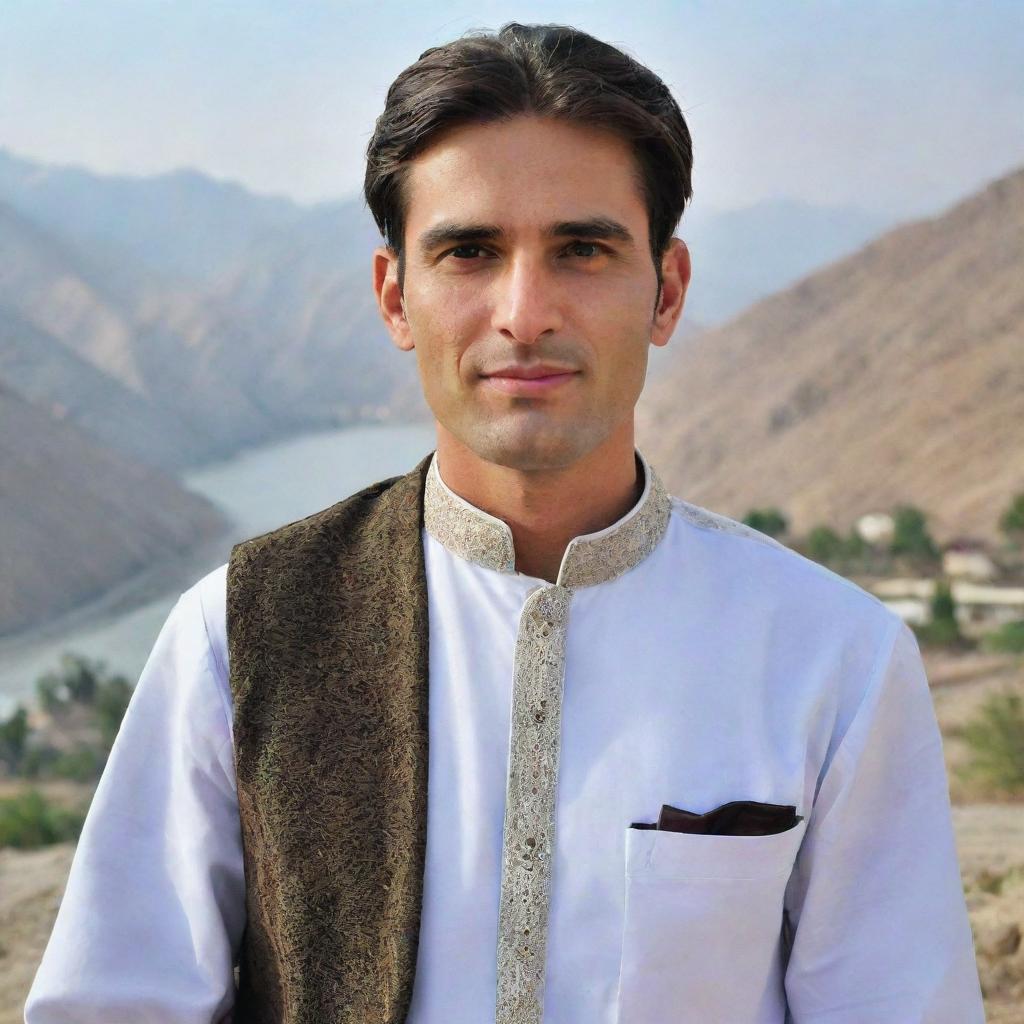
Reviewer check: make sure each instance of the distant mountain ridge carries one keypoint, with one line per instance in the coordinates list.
(125, 371)
(894, 375)
(182, 225)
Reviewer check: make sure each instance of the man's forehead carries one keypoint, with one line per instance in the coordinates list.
(525, 175)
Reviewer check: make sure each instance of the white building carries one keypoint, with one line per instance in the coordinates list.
(875, 528)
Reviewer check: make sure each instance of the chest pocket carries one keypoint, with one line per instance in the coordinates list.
(702, 927)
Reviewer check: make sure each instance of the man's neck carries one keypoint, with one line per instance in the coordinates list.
(546, 509)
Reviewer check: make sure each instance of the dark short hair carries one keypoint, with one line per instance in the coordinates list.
(547, 70)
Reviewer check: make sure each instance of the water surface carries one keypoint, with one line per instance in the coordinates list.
(258, 490)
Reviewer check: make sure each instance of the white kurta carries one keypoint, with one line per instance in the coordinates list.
(721, 667)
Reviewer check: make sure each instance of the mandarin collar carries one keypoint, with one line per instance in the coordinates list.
(591, 558)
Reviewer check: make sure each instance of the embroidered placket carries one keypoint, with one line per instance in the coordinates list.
(528, 845)
(528, 841)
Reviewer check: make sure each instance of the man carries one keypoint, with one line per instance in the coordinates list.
(676, 771)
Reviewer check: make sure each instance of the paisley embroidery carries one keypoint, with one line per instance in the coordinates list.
(528, 846)
(464, 529)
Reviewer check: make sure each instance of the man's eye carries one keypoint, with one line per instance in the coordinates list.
(463, 249)
(585, 245)
(589, 250)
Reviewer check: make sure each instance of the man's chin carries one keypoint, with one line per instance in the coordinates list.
(530, 451)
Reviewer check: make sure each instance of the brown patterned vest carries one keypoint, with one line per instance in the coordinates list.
(327, 641)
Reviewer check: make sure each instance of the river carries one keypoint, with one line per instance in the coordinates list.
(258, 490)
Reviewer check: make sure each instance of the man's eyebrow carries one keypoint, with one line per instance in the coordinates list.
(593, 227)
(450, 232)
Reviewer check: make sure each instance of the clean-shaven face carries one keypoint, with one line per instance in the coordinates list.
(529, 287)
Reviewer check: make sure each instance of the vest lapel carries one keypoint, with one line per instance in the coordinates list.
(327, 639)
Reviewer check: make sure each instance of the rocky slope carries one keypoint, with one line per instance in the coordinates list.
(893, 375)
(76, 518)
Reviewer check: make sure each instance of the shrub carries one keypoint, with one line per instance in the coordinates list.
(83, 764)
(1009, 638)
(940, 633)
(854, 545)
(996, 743)
(29, 820)
(767, 520)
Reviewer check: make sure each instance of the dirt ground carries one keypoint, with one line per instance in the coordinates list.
(989, 835)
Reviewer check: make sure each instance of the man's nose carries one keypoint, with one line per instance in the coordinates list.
(527, 300)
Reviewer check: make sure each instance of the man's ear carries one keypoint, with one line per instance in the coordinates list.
(675, 275)
(389, 299)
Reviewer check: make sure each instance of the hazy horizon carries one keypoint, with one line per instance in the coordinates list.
(897, 109)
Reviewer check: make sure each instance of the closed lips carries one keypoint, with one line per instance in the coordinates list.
(532, 373)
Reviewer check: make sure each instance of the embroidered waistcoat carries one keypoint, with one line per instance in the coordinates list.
(327, 641)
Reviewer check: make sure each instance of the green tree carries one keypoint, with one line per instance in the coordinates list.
(854, 546)
(82, 764)
(943, 629)
(111, 703)
(943, 606)
(79, 682)
(824, 545)
(13, 734)
(1011, 522)
(767, 520)
(75, 682)
(910, 534)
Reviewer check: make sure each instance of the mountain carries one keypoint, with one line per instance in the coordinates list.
(130, 370)
(237, 318)
(740, 256)
(322, 346)
(76, 518)
(182, 225)
(894, 375)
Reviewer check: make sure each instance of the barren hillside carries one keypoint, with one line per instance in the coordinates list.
(893, 375)
(76, 518)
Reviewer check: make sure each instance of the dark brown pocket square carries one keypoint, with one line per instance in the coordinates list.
(736, 818)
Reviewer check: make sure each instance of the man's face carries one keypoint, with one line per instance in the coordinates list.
(527, 251)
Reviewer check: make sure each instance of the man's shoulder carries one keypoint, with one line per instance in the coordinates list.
(708, 520)
(776, 569)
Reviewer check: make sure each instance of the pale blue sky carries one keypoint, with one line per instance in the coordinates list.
(894, 106)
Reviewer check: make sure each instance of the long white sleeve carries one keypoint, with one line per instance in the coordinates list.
(876, 900)
(154, 907)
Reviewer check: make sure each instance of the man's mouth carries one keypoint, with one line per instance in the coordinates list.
(528, 380)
